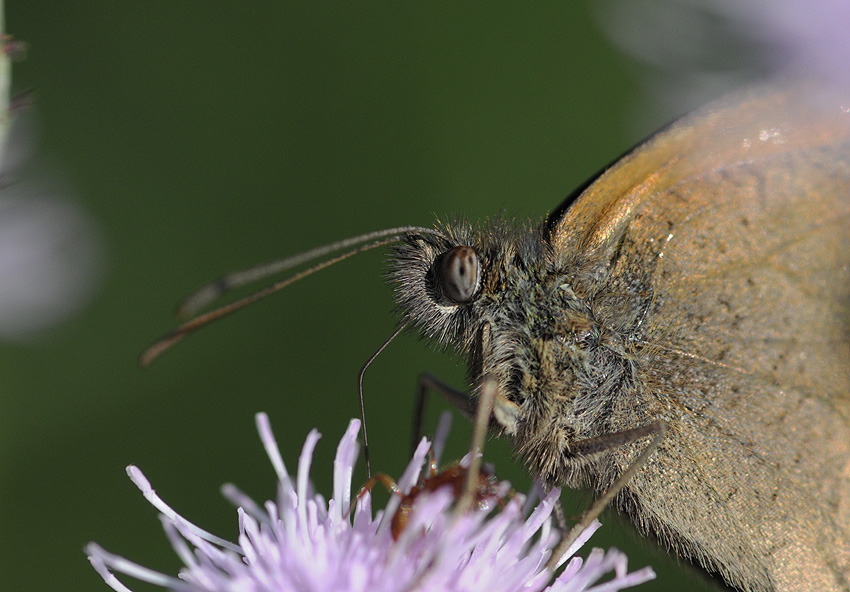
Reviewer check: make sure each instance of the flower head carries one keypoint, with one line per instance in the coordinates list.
(303, 543)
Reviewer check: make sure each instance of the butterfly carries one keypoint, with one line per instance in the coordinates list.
(683, 319)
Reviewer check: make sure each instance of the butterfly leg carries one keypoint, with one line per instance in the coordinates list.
(479, 413)
(596, 445)
(427, 382)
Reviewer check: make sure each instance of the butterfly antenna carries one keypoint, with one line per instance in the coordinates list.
(217, 288)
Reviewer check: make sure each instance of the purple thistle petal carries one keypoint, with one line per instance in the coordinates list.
(303, 543)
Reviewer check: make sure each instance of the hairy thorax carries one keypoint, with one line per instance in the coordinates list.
(564, 368)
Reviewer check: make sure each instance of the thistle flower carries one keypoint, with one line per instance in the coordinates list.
(303, 543)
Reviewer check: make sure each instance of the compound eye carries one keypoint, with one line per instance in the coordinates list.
(459, 273)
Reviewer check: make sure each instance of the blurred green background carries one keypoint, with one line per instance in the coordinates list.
(206, 137)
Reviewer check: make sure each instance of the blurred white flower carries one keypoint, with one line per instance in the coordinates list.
(698, 49)
(303, 543)
(49, 259)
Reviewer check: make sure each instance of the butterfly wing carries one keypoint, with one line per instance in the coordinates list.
(730, 234)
